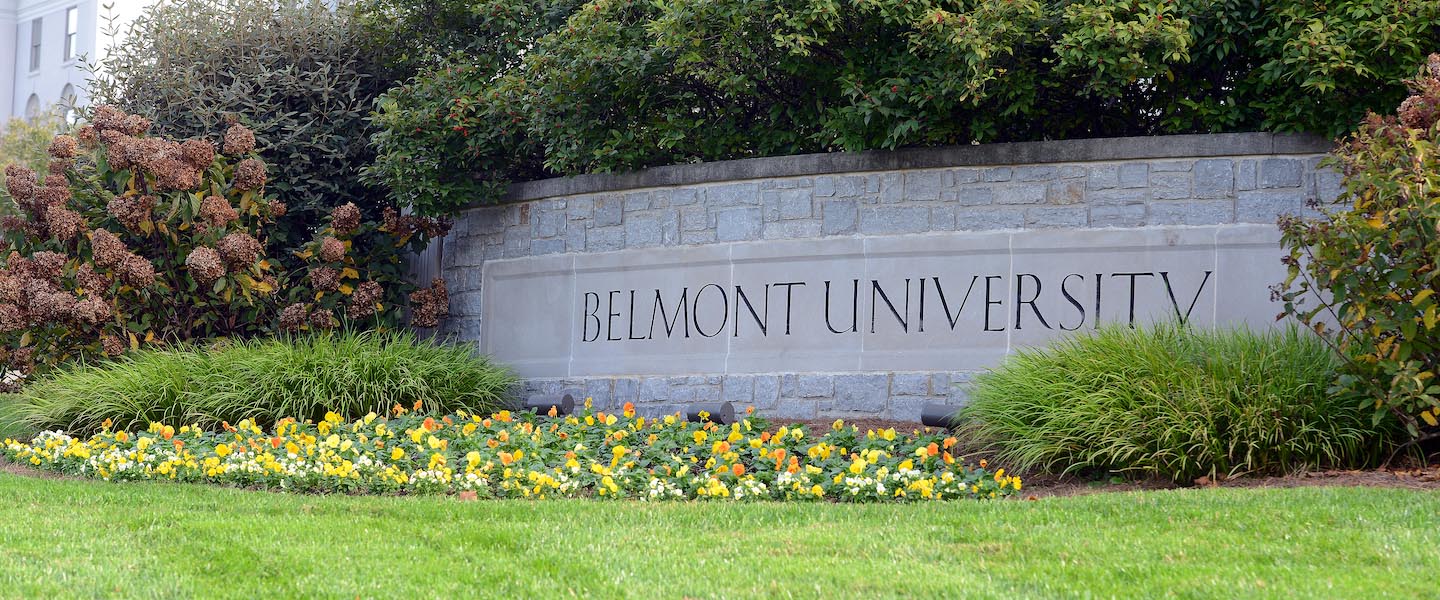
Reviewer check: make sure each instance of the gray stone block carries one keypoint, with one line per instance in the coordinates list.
(1134, 175)
(605, 239)
(824, 186)
(866, 393)
(975, 196)
(697, 237)
(739, 389)
(1116, 196)
(637, 201)
(625, 389)
(1035, 173)
(682, 196)
(793, 409)
(1214, 178)
(792, 230)
(720, 196)
(1103, 177)
(892, 188)
(1167, 185)
(964, 176)
(814, 386)
(1267, 206)
(838, 217)
(1246, 175)
(894, 219)
(580, 208)
(542, 247)
(1065, 192)
(642, 231)
(795, 204)
(738, 224)
(766, 391)
(1329, 185)
(1117, 215)
(600, 391)
(608, 211)
(694, 218)
(1072, 171)
(1171, 166)
(998, 174)
(910, 384)
(1279, 173)
(575, 238)
(922, 185)
(1021, 194)
(1046, 217)
(942, 218)
(851, 186)
(989, 218)
(1192, 212)
(654, 389)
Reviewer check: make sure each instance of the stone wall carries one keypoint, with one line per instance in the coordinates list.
(1083, 184)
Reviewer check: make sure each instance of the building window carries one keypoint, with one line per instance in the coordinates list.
(35, 29)
(67, 104)
(32, 107)
(72, 31)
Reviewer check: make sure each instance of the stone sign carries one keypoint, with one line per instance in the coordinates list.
(928, 302)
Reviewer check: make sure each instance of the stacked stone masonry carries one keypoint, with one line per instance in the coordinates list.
(1140, 192)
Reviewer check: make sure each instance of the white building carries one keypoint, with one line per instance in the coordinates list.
(44, 45)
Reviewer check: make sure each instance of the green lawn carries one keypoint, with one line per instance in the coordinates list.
(76, 538)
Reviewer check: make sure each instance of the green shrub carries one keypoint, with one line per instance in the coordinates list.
(265, 380)
(302, 76)
(623, 84)
(1172, 402)
(1372, 266)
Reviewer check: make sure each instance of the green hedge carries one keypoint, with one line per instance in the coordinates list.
(611, 85)
(1174, 402)
(348, 373)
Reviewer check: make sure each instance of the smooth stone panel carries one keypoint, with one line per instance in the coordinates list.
(948, 301)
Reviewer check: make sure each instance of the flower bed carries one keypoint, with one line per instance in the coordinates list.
(524, 455)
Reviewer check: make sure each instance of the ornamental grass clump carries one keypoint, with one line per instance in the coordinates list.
(263, 381)
(1173, 402)
(504, 455)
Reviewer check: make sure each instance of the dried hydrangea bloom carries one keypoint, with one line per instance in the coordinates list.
(277, 209)
(325, 279)
(152, 154)
(47, 265)
(239, 250)
(408, 225)
(363, 301)
(331, 249)
(91, 282)
(109, 136)
(111, 345)
(62, 223)
(58, 167)
(176, 175)
(64, 146)
(428, 306)
(137, 272)
(107, 118)
(11, 318)
(249, 174)
(52, 306)
(10, 288)
(199, 153)
(322, 318)
(273, 284)
(345, 218)
(20, 182)
(293, 317)
(92, 310)
(205, 265)
(135, 125)
(217, 211)
(23, 360)
(238, 140)
(88, 136)
(131, 211)
(107, 250)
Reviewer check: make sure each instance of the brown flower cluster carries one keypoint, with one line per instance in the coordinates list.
(249, 174)
(109, 252)
(362, 303)
(1422, 109)
(131, 211)
(217, 212)
(325, 279)
(205, 265)
(238, 140)
(239, 250)
(298, 316)
(174, 165)
(345, 218)
(64, 224)
(429, 305)
(408, 225)
(331, 249)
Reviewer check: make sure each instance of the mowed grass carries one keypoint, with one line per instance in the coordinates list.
(62, 538)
